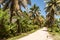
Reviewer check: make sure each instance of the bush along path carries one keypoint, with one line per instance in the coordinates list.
(41, 34)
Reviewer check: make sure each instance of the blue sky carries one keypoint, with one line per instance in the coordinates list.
(41, 5)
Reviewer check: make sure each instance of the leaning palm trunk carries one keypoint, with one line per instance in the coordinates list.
(19, 13)
(15, 11)
(19, 30)
(17, 8)
(50, 19)
(51, 8)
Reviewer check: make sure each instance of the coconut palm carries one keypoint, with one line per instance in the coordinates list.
(15, 6)
(51, 9)
(35, 14)
(15, 9)
(35, 11)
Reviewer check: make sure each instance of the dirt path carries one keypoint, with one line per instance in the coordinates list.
(41, 34)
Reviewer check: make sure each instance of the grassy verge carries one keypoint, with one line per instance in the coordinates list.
(22, 35)
(55, 35)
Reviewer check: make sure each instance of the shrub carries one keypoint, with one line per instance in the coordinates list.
(8, 29)
(54, 28)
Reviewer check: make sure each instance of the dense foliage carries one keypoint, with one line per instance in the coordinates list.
(14, 21)
(8, 29)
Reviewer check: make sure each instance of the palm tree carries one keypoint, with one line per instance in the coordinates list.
(34, 12)
(15, 6)
(15, 9)
(51, 9)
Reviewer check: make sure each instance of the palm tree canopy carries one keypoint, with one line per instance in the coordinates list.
(52, 4)
(15, 6)
(35, 10)
(9, 3)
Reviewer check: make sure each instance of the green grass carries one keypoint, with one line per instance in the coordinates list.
(22, 35)
(56, 35)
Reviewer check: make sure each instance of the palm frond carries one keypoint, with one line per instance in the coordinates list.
(6, 5)
(48, 8)
(58, 2)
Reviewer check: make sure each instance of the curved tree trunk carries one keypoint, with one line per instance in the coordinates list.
(19, 13)
(15, 11)
(17, 8)
(50, 19)
(19, 26)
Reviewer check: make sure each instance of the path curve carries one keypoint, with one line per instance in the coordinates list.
(40, 34)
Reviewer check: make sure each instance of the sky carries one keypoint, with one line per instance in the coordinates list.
(41, 5)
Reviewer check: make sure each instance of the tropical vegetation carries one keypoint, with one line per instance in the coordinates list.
(14, 21)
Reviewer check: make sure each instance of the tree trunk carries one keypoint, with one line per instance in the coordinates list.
(17, 7)
(50, 19)
(19, 26)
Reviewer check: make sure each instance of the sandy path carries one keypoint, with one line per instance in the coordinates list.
(41, 34)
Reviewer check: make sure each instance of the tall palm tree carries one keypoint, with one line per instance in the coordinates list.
(51, 9)
(15, 6)
(35, 11)
(35, 14)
